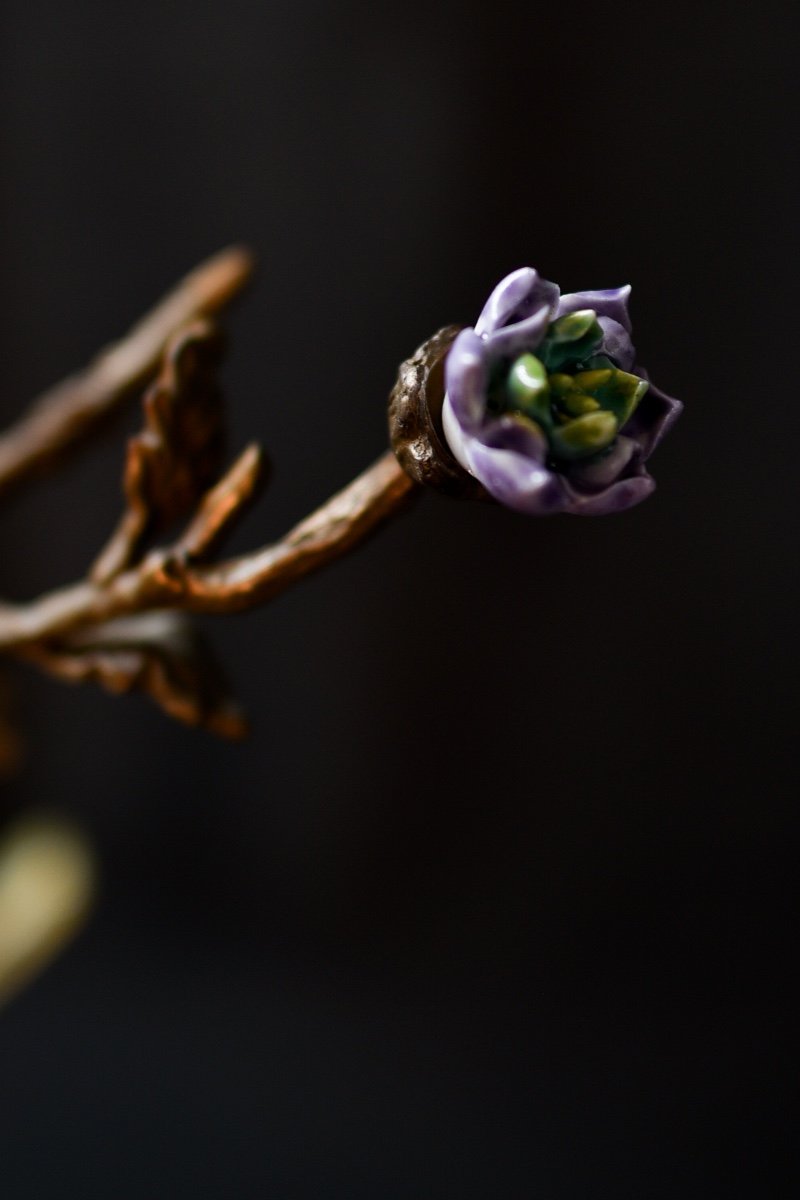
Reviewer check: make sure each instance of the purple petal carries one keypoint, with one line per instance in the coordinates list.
(656, 414)
(598, 475)
(516, 480)
(516, 297)
(616, 343)
(467, 378)
(625, 493)
(507, 457)
(608, 302)
(515, 433)
(523, 335)
(498, 433)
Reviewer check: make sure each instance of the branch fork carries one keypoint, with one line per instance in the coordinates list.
(127, 624)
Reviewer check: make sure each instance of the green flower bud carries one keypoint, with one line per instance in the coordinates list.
(571, 400)
(528, 389)
(571, 339)
(561, 385)
(573, 326)
(577, 403)
(584, 436)
(617, 391)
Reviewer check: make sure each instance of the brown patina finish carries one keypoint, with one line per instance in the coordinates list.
(126, 624)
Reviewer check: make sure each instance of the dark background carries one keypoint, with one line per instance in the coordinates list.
(517, 924)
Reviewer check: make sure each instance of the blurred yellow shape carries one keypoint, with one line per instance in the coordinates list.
(46, 884)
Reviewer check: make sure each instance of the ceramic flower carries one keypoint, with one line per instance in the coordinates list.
(546, 405)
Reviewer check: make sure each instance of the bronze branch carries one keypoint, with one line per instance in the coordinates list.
(125, 625)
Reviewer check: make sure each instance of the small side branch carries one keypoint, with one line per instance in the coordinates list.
(67, 413)
(352, 515)
(127, 625)
(169, 578)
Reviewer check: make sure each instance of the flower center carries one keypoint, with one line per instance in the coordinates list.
(576, 397)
